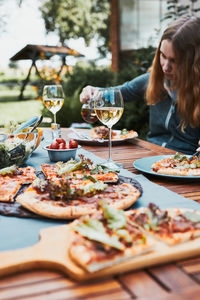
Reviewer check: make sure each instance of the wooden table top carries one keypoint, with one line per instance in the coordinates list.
(179, 280)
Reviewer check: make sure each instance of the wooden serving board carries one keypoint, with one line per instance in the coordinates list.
(51, 252)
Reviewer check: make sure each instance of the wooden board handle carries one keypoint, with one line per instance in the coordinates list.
(20, 260)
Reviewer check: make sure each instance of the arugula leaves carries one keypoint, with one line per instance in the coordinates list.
(97, 231)
(191, 216)
(94, 230)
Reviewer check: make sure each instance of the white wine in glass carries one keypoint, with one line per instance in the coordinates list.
(53, 98)
(109, 107)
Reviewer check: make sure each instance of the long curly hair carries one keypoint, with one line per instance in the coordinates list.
(184, 34)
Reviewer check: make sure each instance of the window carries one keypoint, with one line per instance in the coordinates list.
(140, 23)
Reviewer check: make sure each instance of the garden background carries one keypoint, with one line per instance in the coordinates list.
(87, 19)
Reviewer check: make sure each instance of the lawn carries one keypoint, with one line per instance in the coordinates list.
(13, 109)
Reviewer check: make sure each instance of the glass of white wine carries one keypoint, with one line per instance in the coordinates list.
(53, 98)
(109, 107)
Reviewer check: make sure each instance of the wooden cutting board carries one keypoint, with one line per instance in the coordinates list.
(51, 252)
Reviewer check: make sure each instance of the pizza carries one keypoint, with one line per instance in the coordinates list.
(78, 171)
(106, 238)
(172, 225)
(68, 199)
(112, 236)
(11, 180)
(102, 132)
(178, 164)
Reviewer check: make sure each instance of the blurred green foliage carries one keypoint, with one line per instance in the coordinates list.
(133, 64)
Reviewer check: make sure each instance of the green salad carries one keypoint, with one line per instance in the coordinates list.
(8, 158)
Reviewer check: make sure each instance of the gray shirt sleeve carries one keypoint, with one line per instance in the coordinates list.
(135, 89)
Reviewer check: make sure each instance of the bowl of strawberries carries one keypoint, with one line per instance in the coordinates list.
(61, 150)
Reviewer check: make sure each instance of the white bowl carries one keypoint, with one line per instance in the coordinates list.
(61, 154)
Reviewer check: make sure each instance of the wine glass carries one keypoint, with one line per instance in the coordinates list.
(109, 107)
(87, 110)
(88, 113)
(53, 98)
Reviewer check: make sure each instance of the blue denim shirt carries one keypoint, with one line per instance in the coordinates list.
(164, 122)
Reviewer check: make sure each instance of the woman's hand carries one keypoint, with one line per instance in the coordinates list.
(87, 93)
(198, 149)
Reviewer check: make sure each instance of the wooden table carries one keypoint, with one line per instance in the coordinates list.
(175, 281)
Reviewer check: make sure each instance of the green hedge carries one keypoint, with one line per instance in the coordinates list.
(133, 64)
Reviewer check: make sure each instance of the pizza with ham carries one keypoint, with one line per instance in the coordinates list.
(172, 225)
(12, 178)
(112, 236)
(102, 132)
(79, 171)
(179, 165)
(68, 199)
(75, 188)
(106, 238)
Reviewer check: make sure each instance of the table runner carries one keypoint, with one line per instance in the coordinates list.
(19, 233)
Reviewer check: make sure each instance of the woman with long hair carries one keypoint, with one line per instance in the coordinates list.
(171, 88)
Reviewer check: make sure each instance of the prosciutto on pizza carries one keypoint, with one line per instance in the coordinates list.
(179, 165)
(172, 225)
(106, 238)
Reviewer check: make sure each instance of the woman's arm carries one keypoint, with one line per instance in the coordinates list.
(131, 90)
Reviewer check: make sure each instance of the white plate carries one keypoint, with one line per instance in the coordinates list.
(144, 165)
(90, 141)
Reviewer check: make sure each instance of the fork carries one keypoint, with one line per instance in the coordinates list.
(193, 155)
(84, 136)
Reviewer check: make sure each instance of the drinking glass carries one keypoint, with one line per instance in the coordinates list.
(87, 110)
(88, 113)
(53, 98)
(109, 107)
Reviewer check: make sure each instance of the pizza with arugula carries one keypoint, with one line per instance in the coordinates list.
(75, 188)
(179, 165)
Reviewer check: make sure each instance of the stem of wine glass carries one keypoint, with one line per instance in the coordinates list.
(54, 116)
(110, 145)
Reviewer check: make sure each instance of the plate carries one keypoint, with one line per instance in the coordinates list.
(144, 165)
(90, 141)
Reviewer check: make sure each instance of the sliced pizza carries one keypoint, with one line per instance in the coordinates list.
(12, 178)
(79, 170)
(178, 164)
(172, 226)
(102, 132)
(63, 199)
(107, 238)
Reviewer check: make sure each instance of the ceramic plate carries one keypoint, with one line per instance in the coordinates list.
(88, 140)
(144, 165)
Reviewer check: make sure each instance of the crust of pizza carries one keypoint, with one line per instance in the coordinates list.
(42, 205)
(179, 172)
(82, 254)
(51, 208)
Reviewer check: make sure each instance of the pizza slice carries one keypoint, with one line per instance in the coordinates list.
(172, 226)
(79, 170)
(106, 238)
(102, 132)
(63, 199)
(179, 165)
(12, 178)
